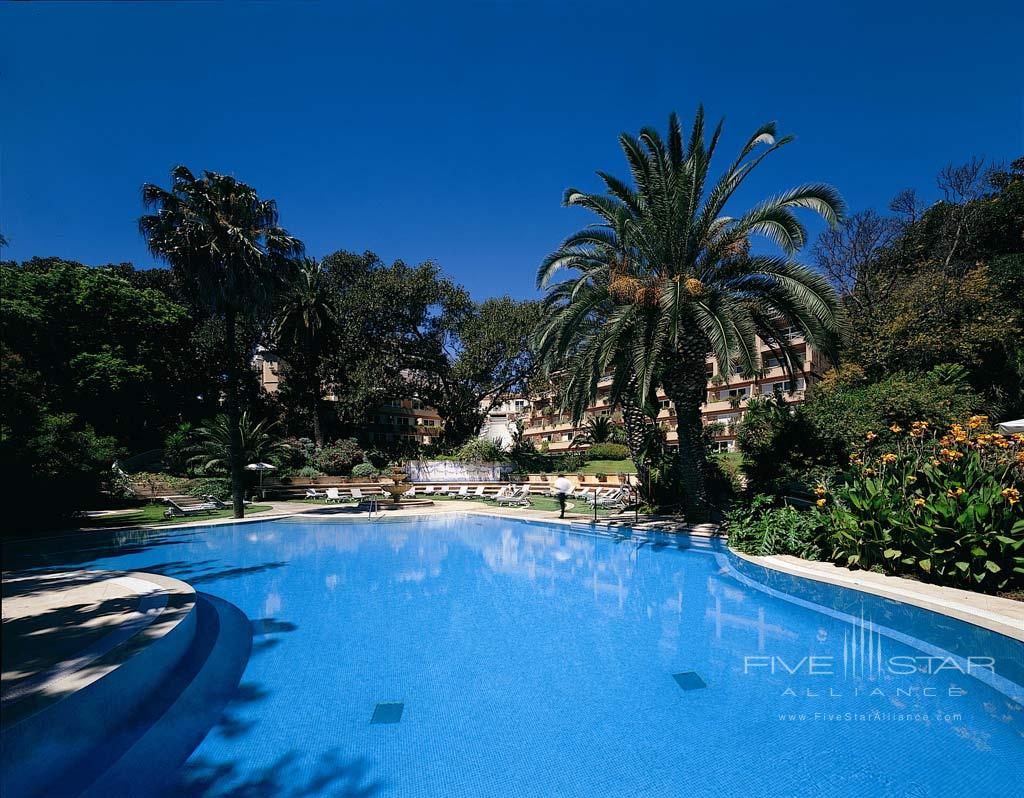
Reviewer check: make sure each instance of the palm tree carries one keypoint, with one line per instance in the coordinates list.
(598, 429)
(222, 239)
(306, 320)
(666, 278)
(211, 447)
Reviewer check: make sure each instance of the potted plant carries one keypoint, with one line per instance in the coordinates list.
(601, 477)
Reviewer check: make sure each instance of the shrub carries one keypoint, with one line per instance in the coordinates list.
(177, 447)
(843, 407)
(309, 472)
(944, 509)
(480, 450)
(338, 458)
(219, 487)
(780, 448)
(363, 470)
(762, 529)
(570, 462)
(608, 451)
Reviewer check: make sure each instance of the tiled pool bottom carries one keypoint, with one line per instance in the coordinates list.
(475, 656)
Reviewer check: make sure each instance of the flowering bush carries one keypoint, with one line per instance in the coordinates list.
(947, 508)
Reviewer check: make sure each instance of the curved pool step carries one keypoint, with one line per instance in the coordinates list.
(109, 640)
(145, 755)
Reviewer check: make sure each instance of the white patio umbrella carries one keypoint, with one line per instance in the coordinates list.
(1010, 427)
(261, 467)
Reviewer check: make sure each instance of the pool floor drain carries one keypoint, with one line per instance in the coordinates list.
(689, 680)
(388, 712)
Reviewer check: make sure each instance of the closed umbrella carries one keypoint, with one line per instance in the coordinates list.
(261, 467)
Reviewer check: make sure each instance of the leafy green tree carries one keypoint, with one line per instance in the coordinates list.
(939, 285)
(487, 356)
(666, 277)
(306, 323)
(220, 237)
(212, 449)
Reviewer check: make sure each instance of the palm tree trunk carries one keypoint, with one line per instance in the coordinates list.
(316, 387)
(318, 435)
(685, 384)
(237, 467)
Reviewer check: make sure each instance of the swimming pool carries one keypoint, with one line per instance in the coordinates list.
(466, 655)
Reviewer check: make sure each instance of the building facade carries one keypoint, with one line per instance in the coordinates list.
(727, 397)
(728, 394)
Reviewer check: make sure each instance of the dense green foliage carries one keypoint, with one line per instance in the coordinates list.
(762, 528)
(788, 449)
(946, 509)
(339, 457)
(607, 451)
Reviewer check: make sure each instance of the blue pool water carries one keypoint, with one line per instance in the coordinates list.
(530, 660)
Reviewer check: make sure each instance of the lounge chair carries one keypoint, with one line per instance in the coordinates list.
(409, 494)
(520, 497)
(313, 493)
(184, 510)
(357, 494)
(476, 494)
(224, 505)
(462, 494)
(333, 495)
(443, 491)
(503, 493)
(428, 491)
(614, 498)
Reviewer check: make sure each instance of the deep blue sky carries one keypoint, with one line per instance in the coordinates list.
(449, 132)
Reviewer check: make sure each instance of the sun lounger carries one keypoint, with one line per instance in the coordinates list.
(520, 497)
(476, 494)
(313, 493)
(224, 505)
(504, 492)
(428, 491)
(185, 510)
(462, 494)
(333, 495)
(357, 494)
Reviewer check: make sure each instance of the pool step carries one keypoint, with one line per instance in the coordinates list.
(56, 713)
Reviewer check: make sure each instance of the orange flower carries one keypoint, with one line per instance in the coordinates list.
(951, 454)
(889, 458)
(1012, 495)
(819, 491)
(976, 421)
(896, 428)
(820, 502)
(919, 502)
(911, 479)
(871, 436)
(869, 472)
(955, 494)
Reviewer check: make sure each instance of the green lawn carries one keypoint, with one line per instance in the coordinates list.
(609, 467)
(153, 514)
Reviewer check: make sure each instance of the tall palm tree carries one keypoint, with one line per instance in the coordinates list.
(222, 239)
(666, 278)
(306, 319)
